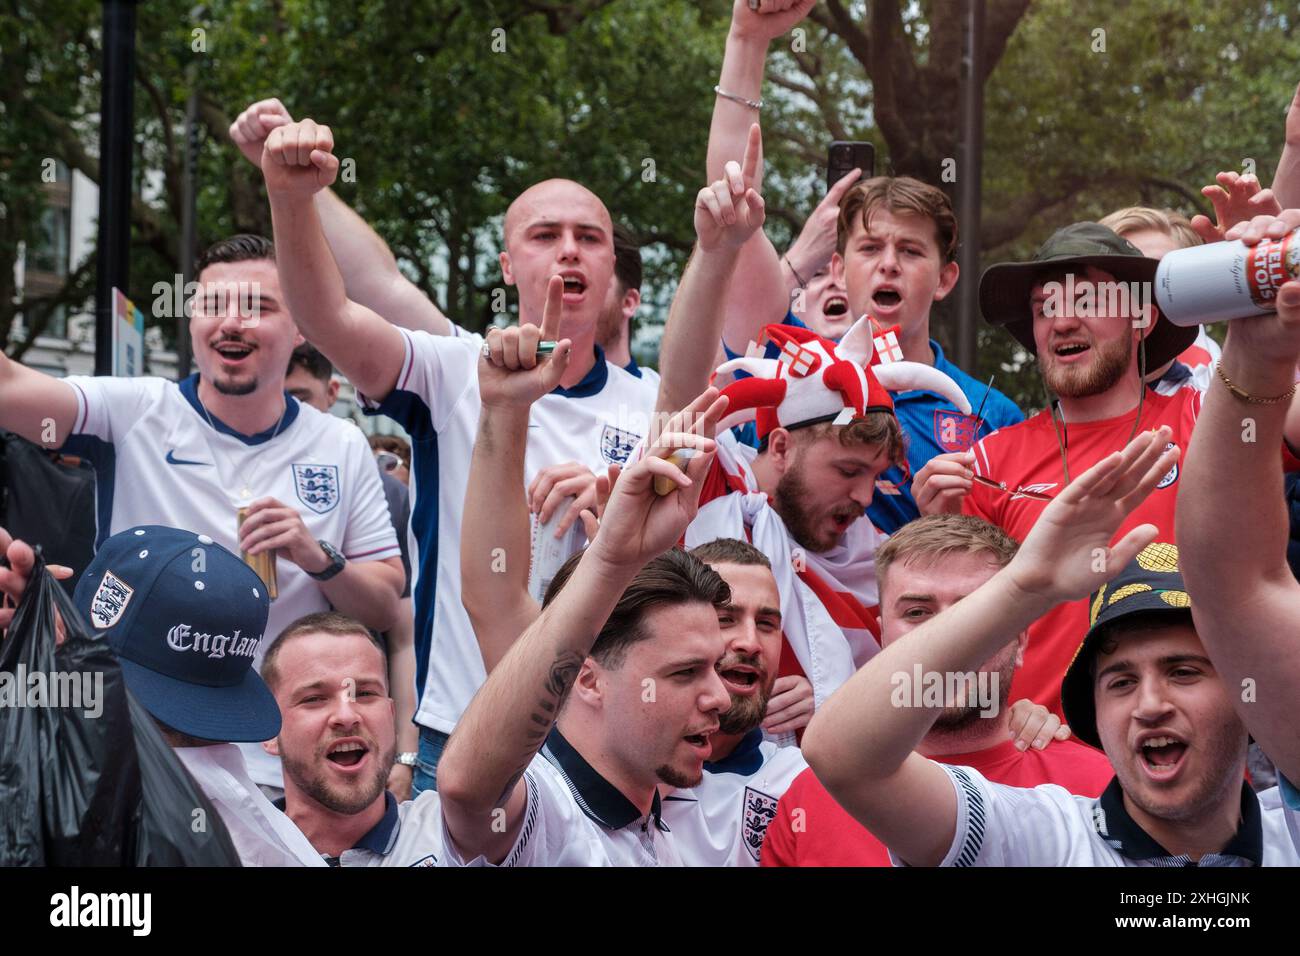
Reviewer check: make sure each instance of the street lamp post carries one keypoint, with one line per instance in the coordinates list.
(116, 126)
(970, 172)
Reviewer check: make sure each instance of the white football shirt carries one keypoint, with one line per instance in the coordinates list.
(596, 423)
(159, 461)
(723, 820)
(575, 817)
(410, 834)
(999, 825)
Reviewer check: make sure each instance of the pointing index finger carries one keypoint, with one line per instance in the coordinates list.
(753, 155)
(553, 309)
(842, 186)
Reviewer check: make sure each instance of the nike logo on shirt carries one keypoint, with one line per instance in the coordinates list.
(173, 460)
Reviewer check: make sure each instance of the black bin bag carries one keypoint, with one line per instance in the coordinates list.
(86, 779)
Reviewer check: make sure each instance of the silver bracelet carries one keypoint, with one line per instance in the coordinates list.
(752, 104)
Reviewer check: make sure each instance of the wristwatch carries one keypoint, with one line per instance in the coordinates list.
(407, 759)
(337, 561)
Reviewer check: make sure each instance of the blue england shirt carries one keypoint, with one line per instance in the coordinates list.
(929, 433)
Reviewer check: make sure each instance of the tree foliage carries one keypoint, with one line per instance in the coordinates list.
(444, 127)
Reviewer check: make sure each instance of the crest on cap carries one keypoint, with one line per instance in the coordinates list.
(814, 379)
(109, 601)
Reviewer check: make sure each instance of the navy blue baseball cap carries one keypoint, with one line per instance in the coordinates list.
(185, 617)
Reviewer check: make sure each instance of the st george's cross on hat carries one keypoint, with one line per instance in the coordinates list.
(185, 618)
(1152, 583)
(813, 379)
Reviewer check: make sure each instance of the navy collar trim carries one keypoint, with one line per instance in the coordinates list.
(591, 383)
(190, 389)
(631, 367)
(381, 837)
(1122, 832)
(745, 760)
(1176, 374)
(597, 797)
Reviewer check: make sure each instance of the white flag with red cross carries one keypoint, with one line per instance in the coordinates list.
(801, 362)
(887, 347)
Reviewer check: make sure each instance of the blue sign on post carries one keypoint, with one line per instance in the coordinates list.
(128, 337)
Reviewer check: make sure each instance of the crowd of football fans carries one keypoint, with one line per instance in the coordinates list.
(810, 594)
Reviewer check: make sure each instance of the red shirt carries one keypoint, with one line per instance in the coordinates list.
(811, 829)
(1028, 455)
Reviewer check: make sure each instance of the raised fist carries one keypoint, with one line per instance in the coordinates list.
(251, 128)
(299, 158)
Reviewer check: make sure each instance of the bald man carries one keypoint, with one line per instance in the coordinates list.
(559, 255)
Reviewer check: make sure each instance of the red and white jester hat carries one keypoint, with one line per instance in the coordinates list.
(817, 380)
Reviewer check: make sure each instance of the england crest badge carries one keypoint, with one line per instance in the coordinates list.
(759, 811)
(1172, 474)
(616, 444)
(317, 486)
(110, 601)
(954, 431)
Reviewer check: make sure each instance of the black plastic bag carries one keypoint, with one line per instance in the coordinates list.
(86, 779)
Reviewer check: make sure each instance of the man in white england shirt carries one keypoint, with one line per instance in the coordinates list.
(192, 454)
(594, 416)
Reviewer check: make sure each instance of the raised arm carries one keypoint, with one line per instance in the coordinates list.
(762, 294)
(1232, 524)
(506, 723)
(727, 214)
(494, 558)
(37, 406)
(1286, 181)
(861, 742)
(369, 270)
(298, 162)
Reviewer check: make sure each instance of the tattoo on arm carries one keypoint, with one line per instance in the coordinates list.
(556, 687)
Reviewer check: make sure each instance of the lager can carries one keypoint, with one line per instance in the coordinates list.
(263, 563)
(1225, 280)
(550, 552)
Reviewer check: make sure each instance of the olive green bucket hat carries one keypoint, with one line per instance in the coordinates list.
(1005, 288)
